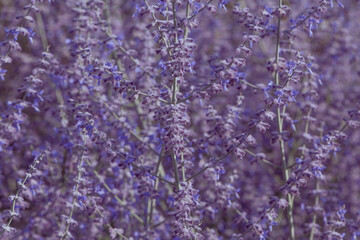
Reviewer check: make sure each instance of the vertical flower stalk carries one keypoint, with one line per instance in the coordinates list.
(174, 98)
(280, 125)
(14, 198)
(69, 219)
(313, 227)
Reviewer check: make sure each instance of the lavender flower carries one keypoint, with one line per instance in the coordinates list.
(169, 119)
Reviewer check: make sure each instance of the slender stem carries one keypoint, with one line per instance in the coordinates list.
(42, 32)
(225, 155)
(17, 195)
(174, 19)
(307, 121)
(205, 87)
(58, 93)
(141, 168)
(289, 186)
(208, 166)
(187, 16)
(153, 201)
(77, 186)
(280, 128)
(131, 131)
(249, 84)
(160, 31)
(109, 226)
(140, 92)
(304, 20)
(174, 100)
(176, 171)
(107, 12)
(158, 224)
(174, 91)
(183, 170)
(122, 203)
(314, 217)
(174, 85)
(268, 170)
(263, 160)
(197, 12)
(135, 61)
(153, 174)
(313, 228)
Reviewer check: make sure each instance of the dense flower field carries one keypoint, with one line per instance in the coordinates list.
(180, 119)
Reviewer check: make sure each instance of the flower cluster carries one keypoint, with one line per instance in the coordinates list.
(170, 119)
